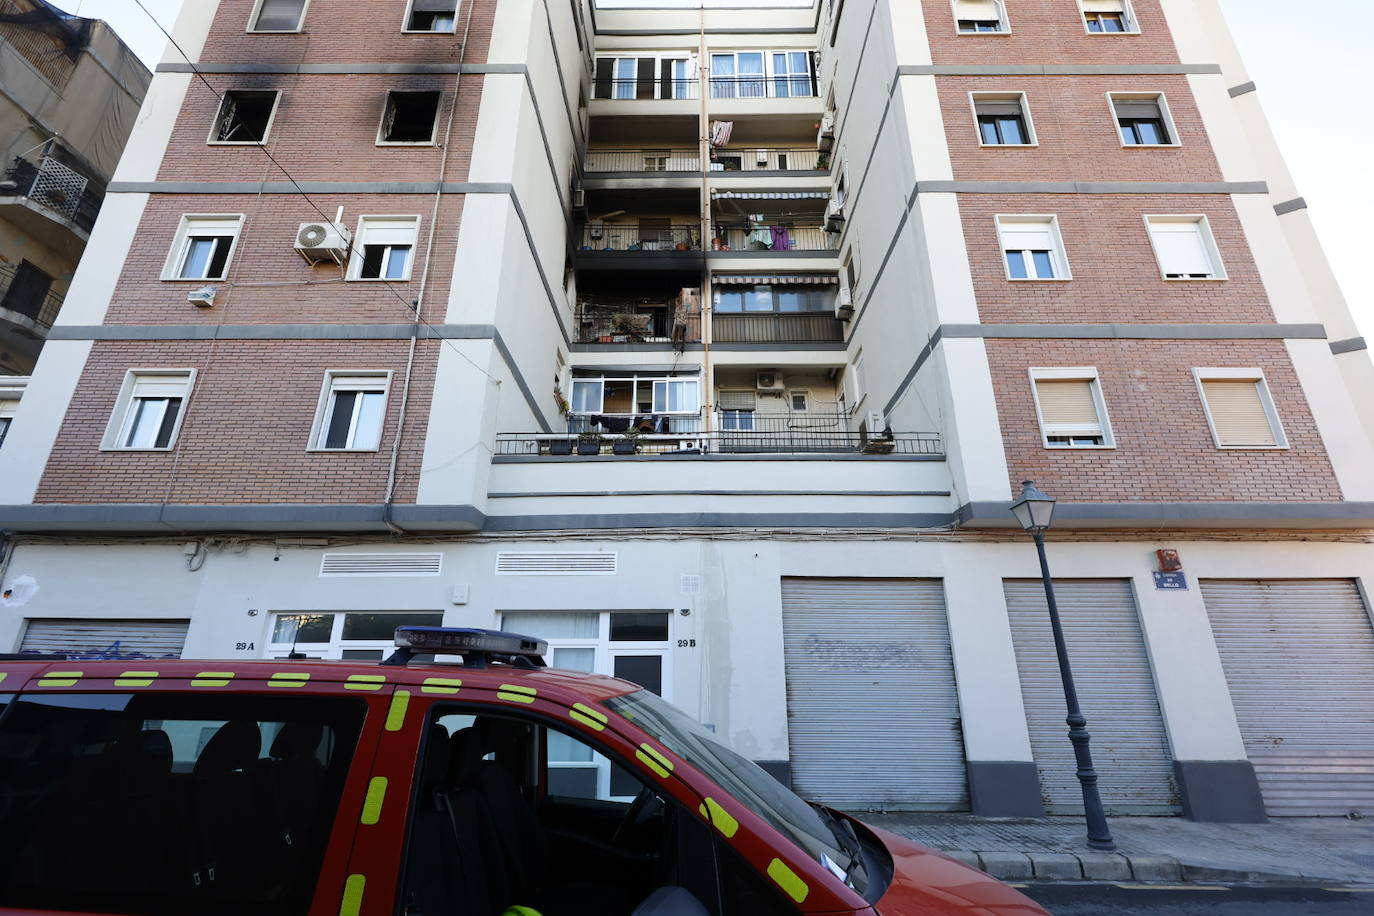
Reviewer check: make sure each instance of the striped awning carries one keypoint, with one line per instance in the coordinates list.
(770, 195)
(776, 280)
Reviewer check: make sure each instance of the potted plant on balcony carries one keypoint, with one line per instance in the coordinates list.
(823, 161)
(627, 444)
(589, 443)
(560, 446)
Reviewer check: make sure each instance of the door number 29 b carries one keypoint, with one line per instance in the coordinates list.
(686, 643)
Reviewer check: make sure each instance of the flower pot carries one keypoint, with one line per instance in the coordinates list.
(589, 448)
(878, 447)
(624, 447)
(560, 447)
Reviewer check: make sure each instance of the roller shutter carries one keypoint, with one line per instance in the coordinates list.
(1299, 659)
(872, 711)
(1116, 690)
(106, 639)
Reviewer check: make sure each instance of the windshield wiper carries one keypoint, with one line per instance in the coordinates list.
(849, 842)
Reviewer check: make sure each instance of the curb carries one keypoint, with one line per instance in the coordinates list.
(1114, 867)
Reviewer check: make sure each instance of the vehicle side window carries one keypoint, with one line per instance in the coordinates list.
(162, 803)
(744, 892)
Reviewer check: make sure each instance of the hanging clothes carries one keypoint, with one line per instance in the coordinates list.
(781, 240)
(760, 235)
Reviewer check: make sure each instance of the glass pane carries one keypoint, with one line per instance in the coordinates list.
(644, 670)
(575, 659)
(363, 655)
(731, 300)
(624, 784)
(198, 254)
(1011, 130)
(791, 300)
(553, 625)
(1151, 132)
(1016, 265)
(146, 422)
(571, 782)
(750, 63)
(383, 626)
(367, 432)
(397, 258)
(625, 76)
(760, 299)
(988, 129)
(299, 628)
(586, 397)
(641, 627)
(1128, 135)
(1044, 265)
(340, 420)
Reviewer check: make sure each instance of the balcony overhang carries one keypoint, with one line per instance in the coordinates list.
(639, 260)
(43, 225)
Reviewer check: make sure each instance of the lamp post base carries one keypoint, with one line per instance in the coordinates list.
(1104, 845)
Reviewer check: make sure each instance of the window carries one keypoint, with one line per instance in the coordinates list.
(1185, 248)
(278, 16)
(354, 635)
(677, 396)
(773, 297)
(352, 408)
(149, 409)
(409, 117)
(1239, 408)
(432, 16)
(858, 379)
(384, 248)
(737, 407)
(671, 77)
(800, 400)
(1070, 407)
(1032, 248)
(1002, 119)
(792, 75)
(216, 803)
(1108, 17)
(245, 116)
(760, 74)
(974, 16)
(1142, 119)
(851, 271)
(202, 248)
(11, 390)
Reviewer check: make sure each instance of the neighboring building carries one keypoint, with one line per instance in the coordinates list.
(69, 93)
(1042, 239)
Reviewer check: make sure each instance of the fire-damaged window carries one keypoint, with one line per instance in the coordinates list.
(432, 16)
(410, 117)
(245, 115)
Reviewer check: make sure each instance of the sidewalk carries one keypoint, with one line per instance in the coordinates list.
(1150, 849)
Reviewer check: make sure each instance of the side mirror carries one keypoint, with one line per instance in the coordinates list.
(671, 901)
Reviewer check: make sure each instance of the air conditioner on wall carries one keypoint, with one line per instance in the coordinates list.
(834, 215)
(874, 422)
(844, 304)
(579, 199)
(825, 137)
(769, 383)
(318, 242)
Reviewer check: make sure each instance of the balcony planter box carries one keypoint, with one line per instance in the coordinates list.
(561, 447)
(605, 338)
(624, 447)
(589, 444)
(878, 447)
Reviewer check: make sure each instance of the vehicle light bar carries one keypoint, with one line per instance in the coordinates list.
(476, 646)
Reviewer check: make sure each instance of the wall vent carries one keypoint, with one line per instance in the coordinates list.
(549, 563)
(381, 564)
(690, 584)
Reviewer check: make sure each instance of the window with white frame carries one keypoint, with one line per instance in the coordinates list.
(851, 271)
(1003, 119)
(631, 645)
(1032, 248)
(11, 391)
(800, 400)
(149, 409)
(346, 635)
(650, 402)
(1143, 119)
(1070, 408)
(277, 16)
(432, 16)
(202, 247)
(981, 16)
(1108, 17)
(1185, 248)
(858, 379)
(671, 76)
(736, 407)
(384, 248)
(1240, 410)
(245, 116)
(763, 74)
(352, 408)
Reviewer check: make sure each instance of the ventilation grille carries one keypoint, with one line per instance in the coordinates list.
(556, 564)
(381, 564)
(690, 584)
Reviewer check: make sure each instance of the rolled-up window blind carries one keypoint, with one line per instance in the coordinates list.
(435, 6)
(736, 399)
(1138, 108)
(1068, 406)
(978, 10)
(1104, 6)
(1026, 236)
(997, 106)
(1238, 413)
(1181, 249)
(279, 15)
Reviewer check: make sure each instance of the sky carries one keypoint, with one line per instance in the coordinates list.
(1298, 55)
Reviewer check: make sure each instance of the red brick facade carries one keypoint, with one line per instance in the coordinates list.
(1049, 31)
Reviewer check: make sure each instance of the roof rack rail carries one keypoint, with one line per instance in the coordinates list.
(479, 648)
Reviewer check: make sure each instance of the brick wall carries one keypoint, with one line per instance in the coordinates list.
(246, 427)
(1115, 274)
(1164, 447)
(1049, 31)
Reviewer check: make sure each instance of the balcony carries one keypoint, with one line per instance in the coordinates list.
(29, 297)
(620, 320)
(761, 87)
(647, 88)
(650, 161)
(766, 236)
(817, 327)
(819, 436)
(55, 188)
(646, 235)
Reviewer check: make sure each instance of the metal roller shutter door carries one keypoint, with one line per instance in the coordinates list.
(872, 710)
(107, 639)
(1299, 659)
(1116, 690)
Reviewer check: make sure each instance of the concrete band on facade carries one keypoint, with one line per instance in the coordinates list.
(1290, 206)
(1242, 89)
(1004, 788)
(1349, 345)
(1220, 791)
(1057, 69)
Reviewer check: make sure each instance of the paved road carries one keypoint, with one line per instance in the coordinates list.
(1113, 900)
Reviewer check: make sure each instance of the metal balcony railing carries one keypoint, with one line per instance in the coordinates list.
(57, 187)
(631, 237)
(612, 320)
(794, 441)
(776, 327)
(769, 159)
(42, 305)
(734, 237)
(643, 160)
(628, 90)
(762, 87)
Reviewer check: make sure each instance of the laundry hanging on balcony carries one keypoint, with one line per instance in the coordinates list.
(720, 132)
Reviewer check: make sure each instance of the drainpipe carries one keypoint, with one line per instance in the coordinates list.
(704, 159)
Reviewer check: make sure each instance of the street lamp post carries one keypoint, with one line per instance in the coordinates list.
(1034, 510)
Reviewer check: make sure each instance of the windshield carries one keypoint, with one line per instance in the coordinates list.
(745, 780)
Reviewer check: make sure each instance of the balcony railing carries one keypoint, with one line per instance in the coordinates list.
(643, 160)
(630, 237)
(762, 87)
(734, 237)
(57, 187)
(819, 442)
(769, 159)
(40, 305)
(612, 320)
(628, 90)
(788, 327)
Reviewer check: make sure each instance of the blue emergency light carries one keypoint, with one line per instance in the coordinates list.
(478, 647)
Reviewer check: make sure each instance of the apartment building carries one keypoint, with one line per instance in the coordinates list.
(712, 346)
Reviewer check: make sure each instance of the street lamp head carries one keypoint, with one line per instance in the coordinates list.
(1034, 509)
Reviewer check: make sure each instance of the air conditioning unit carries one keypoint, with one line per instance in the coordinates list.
(579, 199)
(834, 215)
(318, 242)
(874, 422)
(825, 137)
(844, 303)
(203, 297)
(769, 383)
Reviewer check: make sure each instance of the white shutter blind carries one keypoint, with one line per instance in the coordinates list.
(212, 225)
(736, 400)
(358, 383)
(1104, 6)
(160, 386)
(1026, 236)
(998, 106)
(980, 10)
(435, 6)
(1238, 414)
(389, 232)
(1180, 248)
(279, 15)
(1068, 405)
